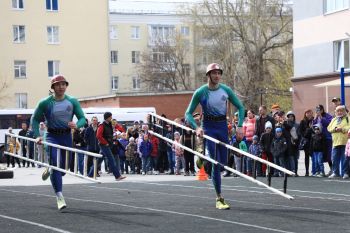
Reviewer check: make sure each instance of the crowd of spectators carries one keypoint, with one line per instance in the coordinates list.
(271, 134)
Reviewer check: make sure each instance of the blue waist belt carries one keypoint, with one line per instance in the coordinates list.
(214, 118)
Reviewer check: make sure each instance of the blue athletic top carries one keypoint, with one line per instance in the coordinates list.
(214, 103)
(57, 113)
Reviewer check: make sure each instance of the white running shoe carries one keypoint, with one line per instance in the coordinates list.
(61, 204)
(333, 176)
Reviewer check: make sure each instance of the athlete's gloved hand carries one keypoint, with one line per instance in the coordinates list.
(39, 140)
(72, 125)
(199, 132)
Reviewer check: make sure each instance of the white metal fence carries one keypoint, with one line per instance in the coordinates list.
(70, 153)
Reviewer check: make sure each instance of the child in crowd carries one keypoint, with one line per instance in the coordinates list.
(123, 141)
(237, 157)
(254, 149)
(130, 154)
(145, 150)
(179, 154)
(13, 148)
(265, 145)
(278, 149)
(346, 165)
(317, 144)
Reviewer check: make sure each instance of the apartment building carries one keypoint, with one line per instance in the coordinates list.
(321, 31)
(42, 38)
(134, 32)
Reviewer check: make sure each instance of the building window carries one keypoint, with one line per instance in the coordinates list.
(21, 100)
(20, 69)
(113, 32)
(341, 55)
(135, 57)
(136, 81)
(52, 5)
(115, 80)
(17, 4)
(53, 68)
(159, 56)
(185, 31)
(52, 35)
(186, 70)
(335, 5)
(135, 32)
(19, 35)
(114, 57)
(161, 34)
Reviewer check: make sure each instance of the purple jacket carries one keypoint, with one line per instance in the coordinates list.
(324, 121)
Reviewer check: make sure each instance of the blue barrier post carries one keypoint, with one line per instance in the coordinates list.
(342, 86)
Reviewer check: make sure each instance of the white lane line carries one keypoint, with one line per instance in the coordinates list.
(244, 190)
(231, 200)
(35, 224)
(340, 181)
(292, 190)
(201, 187)
(161, 211)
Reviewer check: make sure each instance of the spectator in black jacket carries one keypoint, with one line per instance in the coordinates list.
(79, 143)
(265, 145)
(305, 130)
(278, 150)
(317, 147)
(91, 140)
(261, 121)
(23, 142)
(30, 146)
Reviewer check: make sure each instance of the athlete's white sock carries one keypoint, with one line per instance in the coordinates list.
(59, 194)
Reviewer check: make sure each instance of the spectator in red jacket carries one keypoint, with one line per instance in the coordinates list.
(117, 126)
(154, 155)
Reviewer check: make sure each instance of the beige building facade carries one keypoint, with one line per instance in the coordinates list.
(133, 34)
(321, 37)
(42, 38)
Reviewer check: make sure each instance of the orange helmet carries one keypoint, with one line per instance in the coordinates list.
(213, 66)
(57, 79)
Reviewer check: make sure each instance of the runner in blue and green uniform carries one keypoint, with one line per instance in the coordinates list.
(58, 111)
(213, 99)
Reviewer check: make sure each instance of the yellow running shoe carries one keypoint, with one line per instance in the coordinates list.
(46, 174)
(61, 204)
(221, 204)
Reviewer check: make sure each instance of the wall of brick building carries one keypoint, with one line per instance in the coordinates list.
(307, 96)
(172, 105)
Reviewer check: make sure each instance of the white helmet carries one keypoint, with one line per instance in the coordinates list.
(213, 66)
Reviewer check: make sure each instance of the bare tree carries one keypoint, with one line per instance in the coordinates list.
(250, 38)
(165, 66)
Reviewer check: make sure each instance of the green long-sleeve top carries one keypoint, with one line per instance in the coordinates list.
(214, 103)
(57, 113)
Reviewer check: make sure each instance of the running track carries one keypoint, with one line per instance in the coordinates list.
(183, 205)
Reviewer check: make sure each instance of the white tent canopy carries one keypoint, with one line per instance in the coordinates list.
(333, 83)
